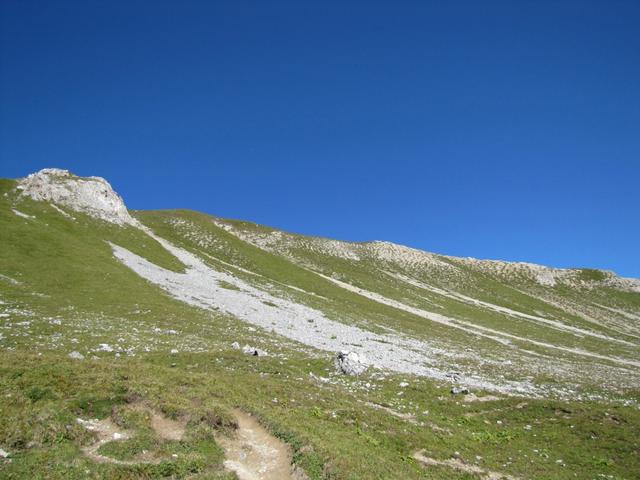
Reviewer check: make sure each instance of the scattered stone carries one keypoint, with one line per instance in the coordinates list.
(76, 355)
(460, 391)
(404, 384)
(350, 363)
(454, 376)
(3, 453)
(235, 346)
(256, 352)
(174, 351)
(320, 379)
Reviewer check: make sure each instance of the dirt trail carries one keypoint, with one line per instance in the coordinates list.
(255, 454)
(166, 428)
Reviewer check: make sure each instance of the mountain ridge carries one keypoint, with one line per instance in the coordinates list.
(39, 186)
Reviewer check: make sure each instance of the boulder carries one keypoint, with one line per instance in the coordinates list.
(460, 391)
(349, 363)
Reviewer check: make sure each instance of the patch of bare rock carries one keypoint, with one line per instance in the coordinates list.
(90, 195)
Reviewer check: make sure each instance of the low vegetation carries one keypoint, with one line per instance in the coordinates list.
(85, 339)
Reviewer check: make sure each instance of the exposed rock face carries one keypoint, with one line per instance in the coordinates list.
(349, 363)
(92, 195)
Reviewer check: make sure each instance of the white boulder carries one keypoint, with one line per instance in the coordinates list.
(350, 363)
(76, 355)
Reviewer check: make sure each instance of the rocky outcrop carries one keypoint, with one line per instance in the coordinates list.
(91, 195)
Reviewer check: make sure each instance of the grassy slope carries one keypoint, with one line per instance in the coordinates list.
(297, 254)
(87, 296)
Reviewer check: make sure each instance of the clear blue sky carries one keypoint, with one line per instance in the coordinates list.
(505, 130)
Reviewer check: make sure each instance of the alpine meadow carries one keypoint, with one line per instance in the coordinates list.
(175, 344)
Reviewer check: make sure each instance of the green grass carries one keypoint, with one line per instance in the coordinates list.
(331, 431)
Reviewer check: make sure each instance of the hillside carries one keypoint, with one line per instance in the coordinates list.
(135, 318)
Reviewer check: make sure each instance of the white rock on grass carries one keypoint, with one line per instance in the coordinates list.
(459, 391)
(76, 355)
(22, 215)
(256, 352)
(4, 453)
(91, 195)
(350, 363)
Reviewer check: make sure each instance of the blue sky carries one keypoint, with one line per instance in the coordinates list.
(506, 130)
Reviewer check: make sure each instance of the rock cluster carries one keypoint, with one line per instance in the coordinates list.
(249, 350)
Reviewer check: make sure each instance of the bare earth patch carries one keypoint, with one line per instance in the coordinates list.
(472, 397)
(108, 431)
(255, 454)
(166, 428)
